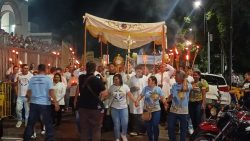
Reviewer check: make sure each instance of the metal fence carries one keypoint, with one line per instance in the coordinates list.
(5, 100)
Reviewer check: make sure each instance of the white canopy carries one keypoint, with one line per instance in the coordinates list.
(120, 33)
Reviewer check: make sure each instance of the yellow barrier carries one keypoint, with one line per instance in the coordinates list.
(5, 100)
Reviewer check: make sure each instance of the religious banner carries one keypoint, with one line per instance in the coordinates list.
(149, 59)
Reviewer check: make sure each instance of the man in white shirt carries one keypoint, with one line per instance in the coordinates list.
(136, 84)
(22, 83)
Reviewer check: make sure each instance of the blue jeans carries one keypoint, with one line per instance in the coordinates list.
(36, 111)
(172, 119)
(195, 113)
(152, 126)
(22, 100)
(120, 119)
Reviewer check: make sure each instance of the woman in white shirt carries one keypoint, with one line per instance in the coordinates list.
(60, 90)
(119, 107)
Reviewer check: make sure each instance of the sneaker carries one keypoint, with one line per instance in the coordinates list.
(43, 132)
(190, 131)
(124, 137)
(133, 134)
(18, 124)
(33, 136)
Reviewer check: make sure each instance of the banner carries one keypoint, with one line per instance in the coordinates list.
(149, 59)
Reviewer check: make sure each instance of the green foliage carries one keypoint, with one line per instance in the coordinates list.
(187, 20)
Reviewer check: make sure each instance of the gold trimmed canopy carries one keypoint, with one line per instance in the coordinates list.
(116, 32)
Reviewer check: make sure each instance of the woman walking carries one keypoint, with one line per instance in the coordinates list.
(152, 94)
(119, 108)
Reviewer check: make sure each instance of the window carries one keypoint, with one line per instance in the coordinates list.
(214, 80)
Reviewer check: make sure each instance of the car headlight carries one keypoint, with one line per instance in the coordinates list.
(213, 111)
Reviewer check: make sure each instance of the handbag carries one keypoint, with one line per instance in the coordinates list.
(146, 115)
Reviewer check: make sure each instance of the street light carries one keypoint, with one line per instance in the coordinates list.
(198, 4)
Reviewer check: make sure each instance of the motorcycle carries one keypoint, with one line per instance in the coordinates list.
(232, 125)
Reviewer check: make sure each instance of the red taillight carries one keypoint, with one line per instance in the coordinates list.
(224, 89)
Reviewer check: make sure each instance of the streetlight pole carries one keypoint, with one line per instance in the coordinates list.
(197, 4)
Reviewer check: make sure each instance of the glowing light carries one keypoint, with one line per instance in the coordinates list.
(16, 53)
(73, 52)
(20, 62)
(10, 59)
(49, 64)
(197, 47)
(77, 62)
(58, 53)
(176, 51)
(187, 57)
(13, 51)
(54, 52)
(70, 49)
(197, 4)
(188, 43)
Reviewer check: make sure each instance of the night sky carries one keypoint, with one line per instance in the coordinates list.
(64, 17)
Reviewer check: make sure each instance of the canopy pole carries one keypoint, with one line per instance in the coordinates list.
(154, 56)
(101, 48)
(163, 52)
(85, 44)
(107, 51)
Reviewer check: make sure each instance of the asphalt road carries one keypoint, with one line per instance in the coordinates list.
(66, 131)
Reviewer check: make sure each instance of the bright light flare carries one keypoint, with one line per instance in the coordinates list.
(188, 43)
(197, 4)
(187, 57)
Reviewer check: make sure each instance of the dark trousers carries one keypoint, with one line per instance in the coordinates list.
(57, 115)
(90, 122)
(172, 119)
(136, 124)
(107, 122)
(163, 114)
(36, 111)
(195, 113)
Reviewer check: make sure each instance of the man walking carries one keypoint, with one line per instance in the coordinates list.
(92, 91)
(23, 80)
(40, 93)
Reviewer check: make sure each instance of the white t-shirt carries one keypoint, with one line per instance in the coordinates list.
(60, 90)
(118, 96)
(23, 83)
(140, 83)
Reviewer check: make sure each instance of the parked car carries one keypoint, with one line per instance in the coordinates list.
(218, 89)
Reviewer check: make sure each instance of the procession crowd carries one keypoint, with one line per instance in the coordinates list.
(132, 100)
